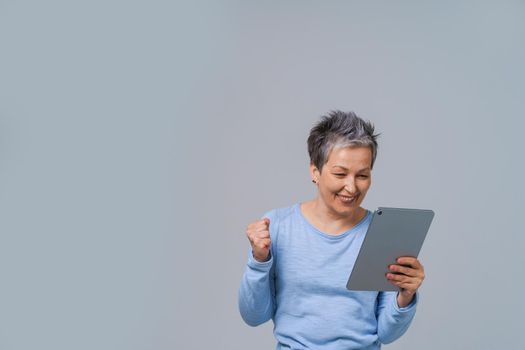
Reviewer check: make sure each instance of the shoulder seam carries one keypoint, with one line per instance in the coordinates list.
(280, 218)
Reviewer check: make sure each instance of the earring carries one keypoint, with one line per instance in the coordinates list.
(314, 181)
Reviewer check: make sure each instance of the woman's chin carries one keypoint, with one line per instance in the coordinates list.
(345, 210)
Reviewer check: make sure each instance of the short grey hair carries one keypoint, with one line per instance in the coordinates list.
(340, 129)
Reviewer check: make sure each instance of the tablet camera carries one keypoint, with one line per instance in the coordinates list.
(379, 212)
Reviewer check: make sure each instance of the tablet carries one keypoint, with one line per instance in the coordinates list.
(392, 233)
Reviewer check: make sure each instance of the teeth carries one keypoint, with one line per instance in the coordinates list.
(347, 199)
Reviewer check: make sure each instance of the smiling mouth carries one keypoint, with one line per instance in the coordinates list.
(348, 199)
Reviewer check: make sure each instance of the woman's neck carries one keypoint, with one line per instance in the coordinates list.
(327, 220)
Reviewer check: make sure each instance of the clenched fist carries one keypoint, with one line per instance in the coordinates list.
(258, 234)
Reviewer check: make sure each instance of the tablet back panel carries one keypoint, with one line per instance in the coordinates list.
(393, 232)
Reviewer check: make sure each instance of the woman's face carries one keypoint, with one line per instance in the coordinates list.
(344, 179)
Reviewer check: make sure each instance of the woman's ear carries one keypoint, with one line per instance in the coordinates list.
(314, 173)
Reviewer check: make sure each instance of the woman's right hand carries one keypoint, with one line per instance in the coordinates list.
(258, 234)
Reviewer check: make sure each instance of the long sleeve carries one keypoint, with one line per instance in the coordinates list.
(393, 321)
(257, 291)
(302, 289)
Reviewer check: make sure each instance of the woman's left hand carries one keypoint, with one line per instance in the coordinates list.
(408, 274)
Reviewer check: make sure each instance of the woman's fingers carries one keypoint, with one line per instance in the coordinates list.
(399, 278)
(410, 261)
(404, 282)
(259, 227)
(408, 274)
(258, 234)
(406, 270)
(409, 266)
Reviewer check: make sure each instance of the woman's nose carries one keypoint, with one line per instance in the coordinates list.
(350, 186)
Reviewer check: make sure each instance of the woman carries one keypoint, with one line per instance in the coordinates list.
(301, 255)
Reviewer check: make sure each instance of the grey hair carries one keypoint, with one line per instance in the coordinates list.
(340, 129)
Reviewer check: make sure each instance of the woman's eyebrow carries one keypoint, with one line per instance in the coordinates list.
(342, 167)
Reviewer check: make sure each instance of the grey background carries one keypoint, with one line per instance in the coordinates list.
(138, 139)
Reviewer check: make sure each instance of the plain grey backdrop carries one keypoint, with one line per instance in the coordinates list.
(139, 138)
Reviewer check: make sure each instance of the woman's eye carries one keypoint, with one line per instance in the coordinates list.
(343, 175)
